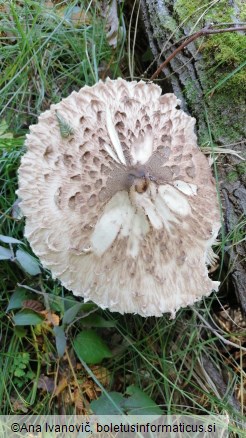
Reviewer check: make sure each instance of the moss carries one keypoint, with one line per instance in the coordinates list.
(222, 54)
(242, 7)
(237, 172)
(200, 13)
(224, 129)
(224, 123)
(232, 176)
(187, 9)
(190, 92)
(241, 168)
(226, 48)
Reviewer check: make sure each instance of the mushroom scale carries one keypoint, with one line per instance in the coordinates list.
(120, 203)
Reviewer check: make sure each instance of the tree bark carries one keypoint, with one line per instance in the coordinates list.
(220, 114)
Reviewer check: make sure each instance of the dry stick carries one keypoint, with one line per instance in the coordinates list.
(211, 372)
(210, 26)
(203, 32)
(215, 332)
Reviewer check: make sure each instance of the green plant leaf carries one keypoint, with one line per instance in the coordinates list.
(8, 239)
(90, 347)
(25, 358)
(21, 365)
(70, 314)
(17, 299)
(30, 375)
(103, 405)
(61, 341)
(27, 262)
(19, 331)
(27, 317)
(97, 321)
(88, 307)
(19, 372)
(140, 403)
(5, 253)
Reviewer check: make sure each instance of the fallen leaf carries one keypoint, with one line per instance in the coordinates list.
(18, 405)
(53, 318)
(78, 400)
(16, 212)
(112, 26)
(33, 304)
(63, 383)
(102, 374)
(90, 389)
(79, 17)
(46, 383)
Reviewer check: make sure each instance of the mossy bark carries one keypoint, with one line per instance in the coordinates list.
(209, 78)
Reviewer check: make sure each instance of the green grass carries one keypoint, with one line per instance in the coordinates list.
(52, 56)
(164, 358)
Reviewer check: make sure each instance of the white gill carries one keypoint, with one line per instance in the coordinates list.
(111, 152)
(114, 137)
(186, 188)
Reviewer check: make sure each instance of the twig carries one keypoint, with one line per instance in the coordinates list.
(203, 32)
(243, 23)
(213, 374)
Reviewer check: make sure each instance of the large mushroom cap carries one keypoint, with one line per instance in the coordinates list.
(120, 204)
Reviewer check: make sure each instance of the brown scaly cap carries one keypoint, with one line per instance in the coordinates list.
(120, 203)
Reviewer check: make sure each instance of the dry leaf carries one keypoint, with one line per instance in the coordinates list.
(112, 26)
(46, 383)
(16, 212)
(33, 305)
(18, 405)
(79, 17)
(51, 318)
(102, 374)
(49, 4)
(232, 321)
(90, 389)
(63, 383)
(78, 400)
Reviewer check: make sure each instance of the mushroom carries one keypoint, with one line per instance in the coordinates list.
(120, 203)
